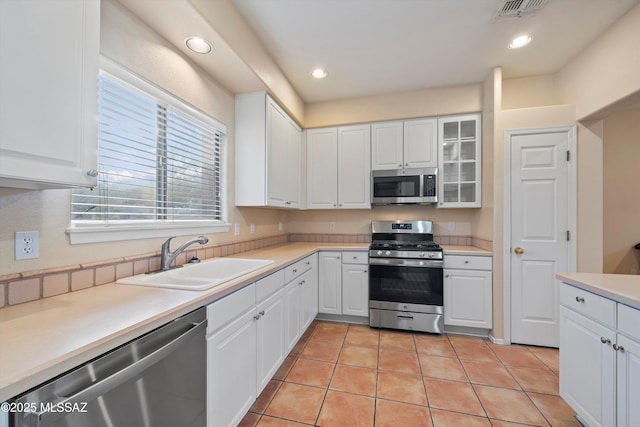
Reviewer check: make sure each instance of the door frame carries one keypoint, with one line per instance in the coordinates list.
(572, 203)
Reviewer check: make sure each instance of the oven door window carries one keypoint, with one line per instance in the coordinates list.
(413, 285)
(396, 186)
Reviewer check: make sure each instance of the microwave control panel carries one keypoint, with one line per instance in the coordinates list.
(429, 186)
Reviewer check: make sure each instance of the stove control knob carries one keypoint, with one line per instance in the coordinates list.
(379, 253)
(422, 254)
(387, 253)
(421, 263)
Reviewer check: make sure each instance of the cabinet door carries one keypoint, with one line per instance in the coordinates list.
(387, 145)
(270, 338)
(48, 86)
(354, 167)
(587, 368)
(231, 371)
(322, 168)
(293, 166)
(293, 314)
(309, 298)
(355, 290)
(330, 283)
(459, 162)
(277, 155)
(421, 143)
(468, 298)
(628, 358)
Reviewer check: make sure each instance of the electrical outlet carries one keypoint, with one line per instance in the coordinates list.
(332, 225)
(27, 245)
(280, 226)
(452, 226)
(252, 228)
(236, 229)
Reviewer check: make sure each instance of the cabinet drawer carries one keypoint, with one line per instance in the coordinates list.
(468, 262)
(297, 268)
(269, 285)
(594, 306)
(355, 257)
(629, 321)
(228, 308)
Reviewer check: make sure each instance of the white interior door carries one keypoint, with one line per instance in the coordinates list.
(539, 233)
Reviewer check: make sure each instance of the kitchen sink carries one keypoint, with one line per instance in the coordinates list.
(198, 276)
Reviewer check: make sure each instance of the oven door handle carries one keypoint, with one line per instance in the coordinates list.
(397, 262)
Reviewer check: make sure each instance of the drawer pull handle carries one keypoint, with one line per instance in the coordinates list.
(295, 270)
(619, 348)
(604, 340)
(466, 262)
(405, 317)
(579, 299)
(256, 317)
(261, 313)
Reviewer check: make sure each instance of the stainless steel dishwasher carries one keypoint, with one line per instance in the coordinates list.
(158, 379)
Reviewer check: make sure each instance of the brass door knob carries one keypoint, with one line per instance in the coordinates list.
(518, 250)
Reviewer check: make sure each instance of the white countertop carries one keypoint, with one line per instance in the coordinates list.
(623, 288)
(45, 338)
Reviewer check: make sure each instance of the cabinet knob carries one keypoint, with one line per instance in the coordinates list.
(604, 340)
(399, 165)
(92, 173)
(518, 250)
(619, 348)
(366, 271)
(406, 164)
(295, 270)
(579, 299)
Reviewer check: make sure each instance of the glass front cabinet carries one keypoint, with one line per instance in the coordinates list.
(459, 161)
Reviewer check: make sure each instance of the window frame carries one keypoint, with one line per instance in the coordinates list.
(93, 232)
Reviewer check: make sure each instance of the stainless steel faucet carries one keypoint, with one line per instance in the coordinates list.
(167, 257)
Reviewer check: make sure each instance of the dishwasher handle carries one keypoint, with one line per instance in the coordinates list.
(92, 392)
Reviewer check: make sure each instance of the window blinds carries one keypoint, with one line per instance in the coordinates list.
(157, 163)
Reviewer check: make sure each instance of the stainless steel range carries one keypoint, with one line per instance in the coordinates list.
(405, 277)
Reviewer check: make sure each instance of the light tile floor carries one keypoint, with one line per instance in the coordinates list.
(352, 375)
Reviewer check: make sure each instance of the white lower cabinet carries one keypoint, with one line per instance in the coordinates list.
(628, 410)
(468, 291)
(587, 384)
(249, 333)
(599, 358)
(270, 338)
(330, 282)
(355, 290)
(343, 287)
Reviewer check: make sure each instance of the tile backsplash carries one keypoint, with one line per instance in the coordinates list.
(33, 285)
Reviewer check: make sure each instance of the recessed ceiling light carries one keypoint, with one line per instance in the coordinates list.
(319, 73)
(198, 45)
(520, 41)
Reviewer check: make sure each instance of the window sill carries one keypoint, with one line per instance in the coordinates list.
(79, 234)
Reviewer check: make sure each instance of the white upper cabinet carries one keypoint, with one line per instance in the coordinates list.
(322, 168)
(48, 87)
(459, 160)
(354, 170)
(338, 167)
(404, 144)
(268, 154)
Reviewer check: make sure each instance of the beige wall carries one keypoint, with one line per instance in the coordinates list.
(401, 105)
(127, 41)
(621, 154)
(530, 92)
(607, 71)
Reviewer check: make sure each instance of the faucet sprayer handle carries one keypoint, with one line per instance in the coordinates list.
(167, 243)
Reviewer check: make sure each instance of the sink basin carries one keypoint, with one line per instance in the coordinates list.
(200, 276)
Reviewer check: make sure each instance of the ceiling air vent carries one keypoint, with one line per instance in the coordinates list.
(510, 9)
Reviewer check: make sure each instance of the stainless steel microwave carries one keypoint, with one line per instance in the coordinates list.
(404, 186)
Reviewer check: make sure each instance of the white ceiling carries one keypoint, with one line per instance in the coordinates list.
(379, 46)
